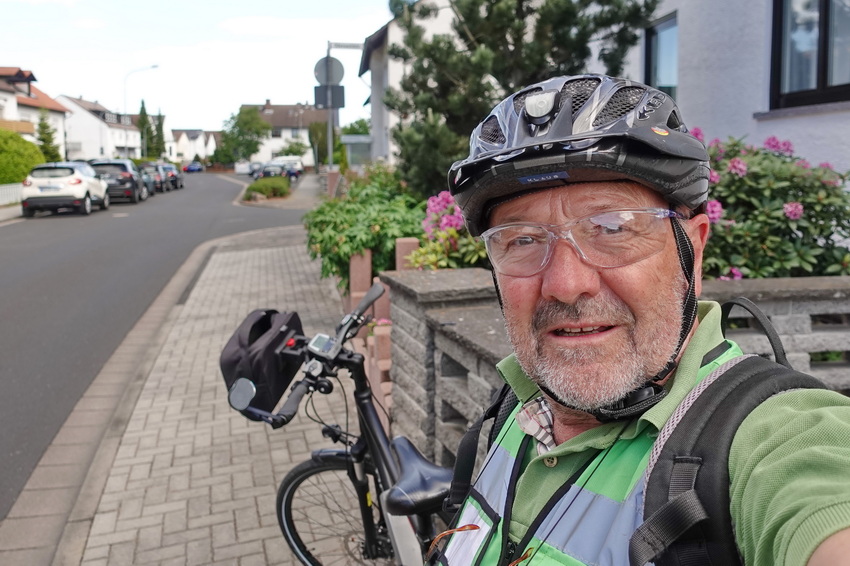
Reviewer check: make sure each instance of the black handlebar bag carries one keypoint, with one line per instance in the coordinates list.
(258, 351)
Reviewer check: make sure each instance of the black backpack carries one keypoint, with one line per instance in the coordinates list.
(686, 503)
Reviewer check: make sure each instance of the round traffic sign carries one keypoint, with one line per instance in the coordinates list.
(328, 71)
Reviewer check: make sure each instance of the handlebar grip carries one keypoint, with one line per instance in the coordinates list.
(290, 407)
(372, 295)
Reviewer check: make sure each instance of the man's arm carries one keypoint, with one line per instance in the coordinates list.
(832, 551)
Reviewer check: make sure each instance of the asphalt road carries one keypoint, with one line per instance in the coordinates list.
(71, 287)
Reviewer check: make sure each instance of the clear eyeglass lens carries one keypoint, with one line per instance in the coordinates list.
(610, 239)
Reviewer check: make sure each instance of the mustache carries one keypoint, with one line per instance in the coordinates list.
(610, 310)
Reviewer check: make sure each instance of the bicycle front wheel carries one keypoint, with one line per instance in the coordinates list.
(320, 516)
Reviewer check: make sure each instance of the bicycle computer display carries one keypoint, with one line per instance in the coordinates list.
(321, 344)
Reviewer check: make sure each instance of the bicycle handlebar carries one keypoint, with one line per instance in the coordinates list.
(290, 407)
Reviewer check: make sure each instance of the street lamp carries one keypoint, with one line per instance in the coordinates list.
(126, 132)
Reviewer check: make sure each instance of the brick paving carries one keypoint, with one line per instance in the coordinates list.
(178, 477)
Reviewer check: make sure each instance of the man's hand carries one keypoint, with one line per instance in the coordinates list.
(832, 551)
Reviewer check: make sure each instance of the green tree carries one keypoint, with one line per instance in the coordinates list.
(159, 137)
(144, 125)
(361, 127)
(498, 46)
(17, 157)
(243, 133)
(45, 135)
(294, 147)
(318, 136)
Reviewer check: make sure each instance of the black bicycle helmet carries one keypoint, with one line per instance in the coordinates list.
(576, 129)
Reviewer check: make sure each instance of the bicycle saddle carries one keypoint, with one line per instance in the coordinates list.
(422, 485)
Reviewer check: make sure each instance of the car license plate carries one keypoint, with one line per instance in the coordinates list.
(50, 187)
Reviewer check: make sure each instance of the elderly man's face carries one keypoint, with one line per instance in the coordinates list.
(593, 334)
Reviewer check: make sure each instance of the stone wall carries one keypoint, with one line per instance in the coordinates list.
(448, 334)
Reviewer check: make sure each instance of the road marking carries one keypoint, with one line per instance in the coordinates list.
(120, 214)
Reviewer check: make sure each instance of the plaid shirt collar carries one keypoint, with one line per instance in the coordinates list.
(535, 419)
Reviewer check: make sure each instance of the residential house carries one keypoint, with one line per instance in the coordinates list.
(21, 103)
(213, 141)
(750, 69)
(289, 122)
(386, 72)
(188, 144)
(95, 132)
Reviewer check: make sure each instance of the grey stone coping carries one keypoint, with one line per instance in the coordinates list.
(779, 288)
(443, 285)
(481, 329)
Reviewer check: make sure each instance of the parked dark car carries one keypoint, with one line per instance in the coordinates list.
(272, 171)
(157, 171)
(123, 179)
(175, 175)
(194, 167)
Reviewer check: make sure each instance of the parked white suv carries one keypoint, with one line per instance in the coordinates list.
(73, 184)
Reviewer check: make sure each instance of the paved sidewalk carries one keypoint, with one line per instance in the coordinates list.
(153, 467)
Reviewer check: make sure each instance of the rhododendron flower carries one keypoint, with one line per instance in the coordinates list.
(793, 210)
(825, 165)
(734, 273)
(713, 176)
(714, 211)
(697, 133)
(804, 164)
(779, 146)
(737, 166)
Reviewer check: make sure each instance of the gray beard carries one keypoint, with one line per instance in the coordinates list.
(588, 379)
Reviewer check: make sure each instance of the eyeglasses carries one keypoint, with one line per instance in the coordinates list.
(609, 239)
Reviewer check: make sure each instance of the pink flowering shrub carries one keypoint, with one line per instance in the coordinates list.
(773, 214)
(446, 242)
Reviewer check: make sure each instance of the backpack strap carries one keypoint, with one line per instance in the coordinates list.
(467, 450)
(686, 499)
(763, 322)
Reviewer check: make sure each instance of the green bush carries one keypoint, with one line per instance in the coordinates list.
(270, 187)
(17, 157)
(372, 214)
(774, 214)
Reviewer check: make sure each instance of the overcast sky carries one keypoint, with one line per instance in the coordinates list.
(212, 56)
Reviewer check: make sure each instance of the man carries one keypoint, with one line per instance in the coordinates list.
(589, 193)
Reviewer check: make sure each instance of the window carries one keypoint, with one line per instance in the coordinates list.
(295, 133)
(662, 55)
(276, 132)
(811, 54)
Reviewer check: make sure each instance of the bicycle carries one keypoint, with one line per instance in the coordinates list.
(374, 501)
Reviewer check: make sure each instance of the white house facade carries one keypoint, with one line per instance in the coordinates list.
(21, 104)
(95, 132)
(750, 69)
(289, 123)
(188, 144)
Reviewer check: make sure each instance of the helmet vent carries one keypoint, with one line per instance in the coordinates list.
(579, 91)
(491, 132)
(673, 121)
(519, 99)
(623, 102)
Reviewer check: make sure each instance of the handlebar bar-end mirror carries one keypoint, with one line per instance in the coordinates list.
(241, 393)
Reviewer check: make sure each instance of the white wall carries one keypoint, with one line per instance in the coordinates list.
(724, 81)
(87, 136)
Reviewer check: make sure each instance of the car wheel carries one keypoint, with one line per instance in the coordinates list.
(134, 198)
(85, 206)
(28, 212)
(145, 194)
(104, 202)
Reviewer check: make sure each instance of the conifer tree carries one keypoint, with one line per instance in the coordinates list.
(144, 125)
(45, 135)
(497, 47)
(159, 136)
